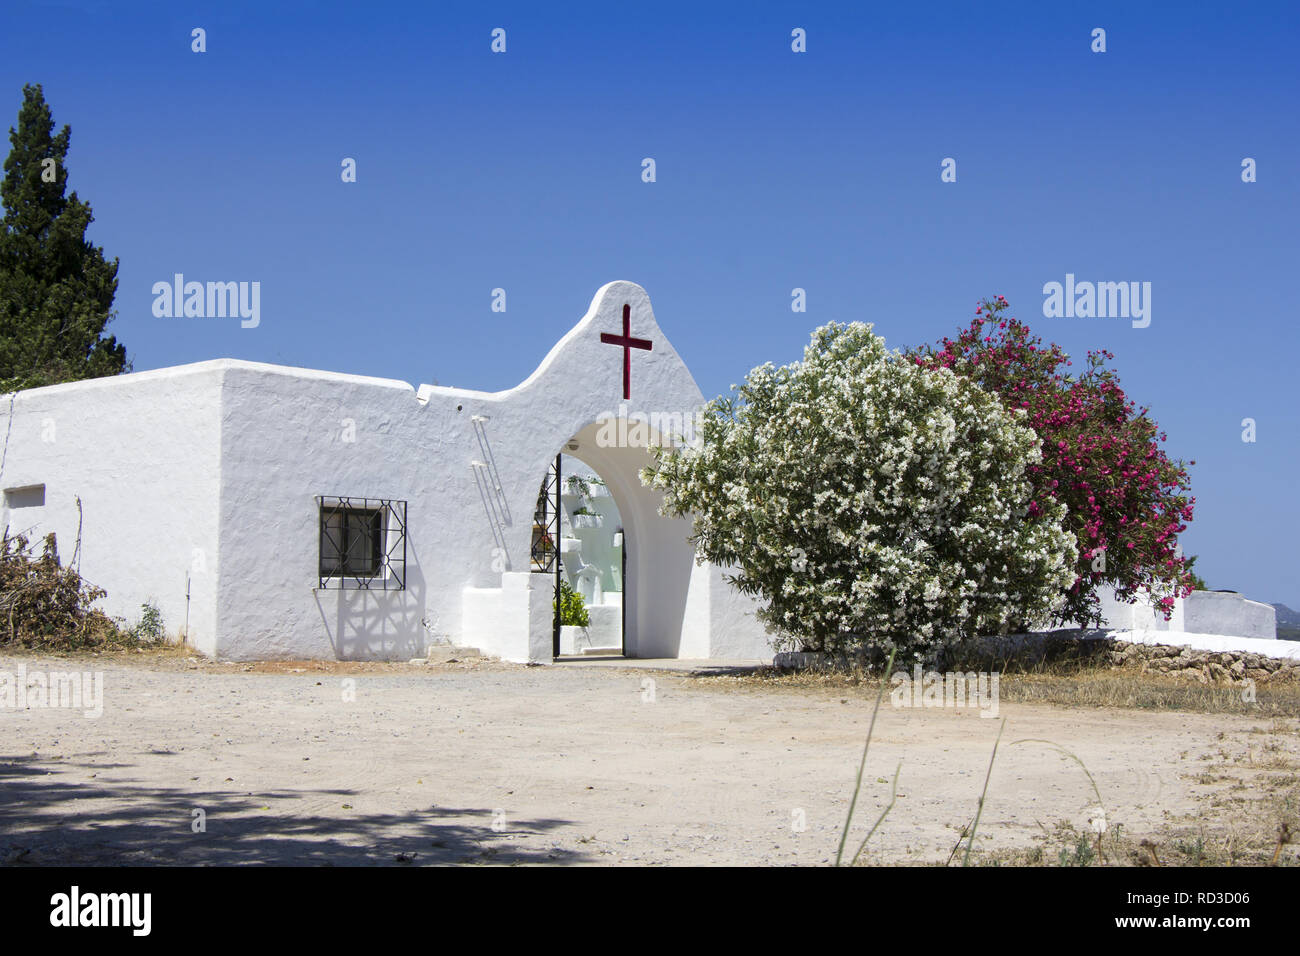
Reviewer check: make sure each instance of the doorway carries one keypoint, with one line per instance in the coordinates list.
(578, 537)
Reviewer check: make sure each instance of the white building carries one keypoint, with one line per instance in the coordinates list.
(274, 512)
(284, 513)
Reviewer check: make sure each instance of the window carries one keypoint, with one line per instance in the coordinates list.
(362, 543)
(351, 541)
(23, 510)
(30, 496)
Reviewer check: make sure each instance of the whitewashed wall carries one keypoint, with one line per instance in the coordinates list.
(141, 451)
(1226, 612)
(282, 444)
(226, 457)
(1202, 612)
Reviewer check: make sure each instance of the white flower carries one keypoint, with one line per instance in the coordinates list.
(852, 457)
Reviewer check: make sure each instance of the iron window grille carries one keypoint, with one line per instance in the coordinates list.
(362, 543)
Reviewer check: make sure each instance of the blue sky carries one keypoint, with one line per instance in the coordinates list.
(775, 170)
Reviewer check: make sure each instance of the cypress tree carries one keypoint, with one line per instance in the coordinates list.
(56, 288)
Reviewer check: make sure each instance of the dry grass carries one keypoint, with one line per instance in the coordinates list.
(169, 650)
(176, 655)
(1061, 684)
(1248, 815)
(1131, 689)
(1191, 843)
(1253, 822)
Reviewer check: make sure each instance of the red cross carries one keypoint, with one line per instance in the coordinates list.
(628, 343)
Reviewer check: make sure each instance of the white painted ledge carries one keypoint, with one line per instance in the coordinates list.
(1212, 642)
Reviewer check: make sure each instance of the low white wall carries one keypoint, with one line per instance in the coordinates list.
(512, 622)
(606, 625)
(1226, 612)
(735, 632)
(721, 623)
(541, 618)
(1202, 612)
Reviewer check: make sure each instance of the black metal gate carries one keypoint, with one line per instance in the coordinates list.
(545, 552)
(622, 580)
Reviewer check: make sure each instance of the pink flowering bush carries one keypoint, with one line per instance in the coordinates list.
(1126, 500)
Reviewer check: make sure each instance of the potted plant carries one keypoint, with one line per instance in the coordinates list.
(579, 485)
(574, 620)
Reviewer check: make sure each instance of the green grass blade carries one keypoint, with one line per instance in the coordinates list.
(965, 860)
(857, 786)
(893, 794)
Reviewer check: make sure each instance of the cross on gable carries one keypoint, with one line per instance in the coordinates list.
(628, 343)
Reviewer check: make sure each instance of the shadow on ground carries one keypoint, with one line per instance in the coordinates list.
(722, 670)
(42, 824)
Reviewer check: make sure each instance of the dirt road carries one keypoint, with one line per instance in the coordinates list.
(567, 764)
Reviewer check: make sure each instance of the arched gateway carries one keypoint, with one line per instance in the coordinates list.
(282, 512)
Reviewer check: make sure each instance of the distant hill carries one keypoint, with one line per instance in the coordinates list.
(1288, 623)
(1287, 616)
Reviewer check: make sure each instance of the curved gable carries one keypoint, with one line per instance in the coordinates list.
(583, 374)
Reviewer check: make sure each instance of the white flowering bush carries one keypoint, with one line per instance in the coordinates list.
(871, 503)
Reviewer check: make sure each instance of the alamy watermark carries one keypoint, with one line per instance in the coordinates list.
(129, 910)
(621, 429)
(20, 690)
(211, 300)
(977, 689)
(1101, 300)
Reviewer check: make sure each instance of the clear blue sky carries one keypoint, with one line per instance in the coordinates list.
(775, 170)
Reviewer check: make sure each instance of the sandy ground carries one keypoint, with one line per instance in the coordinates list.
(566, 764)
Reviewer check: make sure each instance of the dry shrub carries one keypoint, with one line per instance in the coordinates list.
(46, 605)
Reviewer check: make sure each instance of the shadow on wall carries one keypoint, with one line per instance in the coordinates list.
(495, 503)
(377, 625)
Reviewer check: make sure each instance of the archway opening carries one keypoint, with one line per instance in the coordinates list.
(579, 537)
(658, 555)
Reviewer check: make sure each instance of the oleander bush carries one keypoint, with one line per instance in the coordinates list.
(1126, 499)
(872, 503)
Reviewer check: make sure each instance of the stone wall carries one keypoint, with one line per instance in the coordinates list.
(1206, 667)
(1020, 651)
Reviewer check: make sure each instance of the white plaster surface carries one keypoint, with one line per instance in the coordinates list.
(224, 459)
(1202, 612)
(1226, 612)
(142, 453)
(212, 471)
